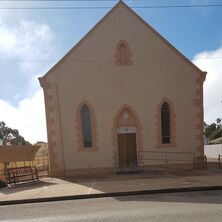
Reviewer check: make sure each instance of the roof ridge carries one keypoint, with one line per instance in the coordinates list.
(119, 4)
(83, 38)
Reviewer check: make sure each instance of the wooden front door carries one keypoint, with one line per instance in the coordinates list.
(127, 150)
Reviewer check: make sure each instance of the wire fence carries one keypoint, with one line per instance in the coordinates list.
(219, 160)
(166, 156)
(41, 163)
(167, 159)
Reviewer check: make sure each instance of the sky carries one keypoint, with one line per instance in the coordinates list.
(32, 40)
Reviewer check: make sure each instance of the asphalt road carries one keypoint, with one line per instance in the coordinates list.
(192, 206)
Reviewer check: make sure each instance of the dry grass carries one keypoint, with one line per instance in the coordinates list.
(41, 162)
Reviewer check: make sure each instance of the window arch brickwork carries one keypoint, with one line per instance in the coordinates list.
(139, 135)
(171, 125)
(123, 53)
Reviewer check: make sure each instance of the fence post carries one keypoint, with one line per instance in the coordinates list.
(205, 160)
(47, 167)
(43, 162)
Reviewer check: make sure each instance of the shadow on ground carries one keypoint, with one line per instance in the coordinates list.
(25, 186)
(147, 180)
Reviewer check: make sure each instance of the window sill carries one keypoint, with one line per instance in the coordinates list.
(128, 63)
(87, 149)
(162, 145)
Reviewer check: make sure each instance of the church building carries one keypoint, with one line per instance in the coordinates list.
(123, 99)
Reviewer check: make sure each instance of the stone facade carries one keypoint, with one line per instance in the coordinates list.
(121, 65)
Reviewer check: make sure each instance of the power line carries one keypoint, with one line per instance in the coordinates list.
(66, 0)
(108, 7)
(78, 0)
(94, 61)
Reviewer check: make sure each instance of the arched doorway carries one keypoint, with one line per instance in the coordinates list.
(126, 129)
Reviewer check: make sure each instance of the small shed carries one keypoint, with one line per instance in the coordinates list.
(17, 153)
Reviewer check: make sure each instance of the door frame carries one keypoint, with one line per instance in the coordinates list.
(127, 130)
(139, 140)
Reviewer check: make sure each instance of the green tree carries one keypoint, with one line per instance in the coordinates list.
(216, 134)
(11, 136)
(214, 130)
(209, 129)
(218, 121)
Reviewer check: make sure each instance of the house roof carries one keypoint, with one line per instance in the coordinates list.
(121, 4)
(216, 141)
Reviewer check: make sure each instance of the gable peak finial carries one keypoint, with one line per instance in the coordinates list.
(121, 2)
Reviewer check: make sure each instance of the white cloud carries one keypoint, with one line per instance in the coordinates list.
(26, 40)
(28, 117)
(211, 61)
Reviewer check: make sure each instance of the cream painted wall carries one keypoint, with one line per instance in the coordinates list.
(89, 73)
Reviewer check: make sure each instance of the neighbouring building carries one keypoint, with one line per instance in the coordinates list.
(122, 98)
(43, 150)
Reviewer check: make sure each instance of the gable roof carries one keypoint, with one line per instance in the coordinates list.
(121, 4)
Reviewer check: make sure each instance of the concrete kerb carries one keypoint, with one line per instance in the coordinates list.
(114, 194)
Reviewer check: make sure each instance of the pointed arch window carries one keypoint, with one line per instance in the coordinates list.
(85, 117)
(123, 53)
(165, 123)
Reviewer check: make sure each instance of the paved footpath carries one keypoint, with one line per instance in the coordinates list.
(147, 181)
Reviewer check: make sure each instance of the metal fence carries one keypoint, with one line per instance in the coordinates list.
(219, 160)
(167, 158)
(42, 164)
